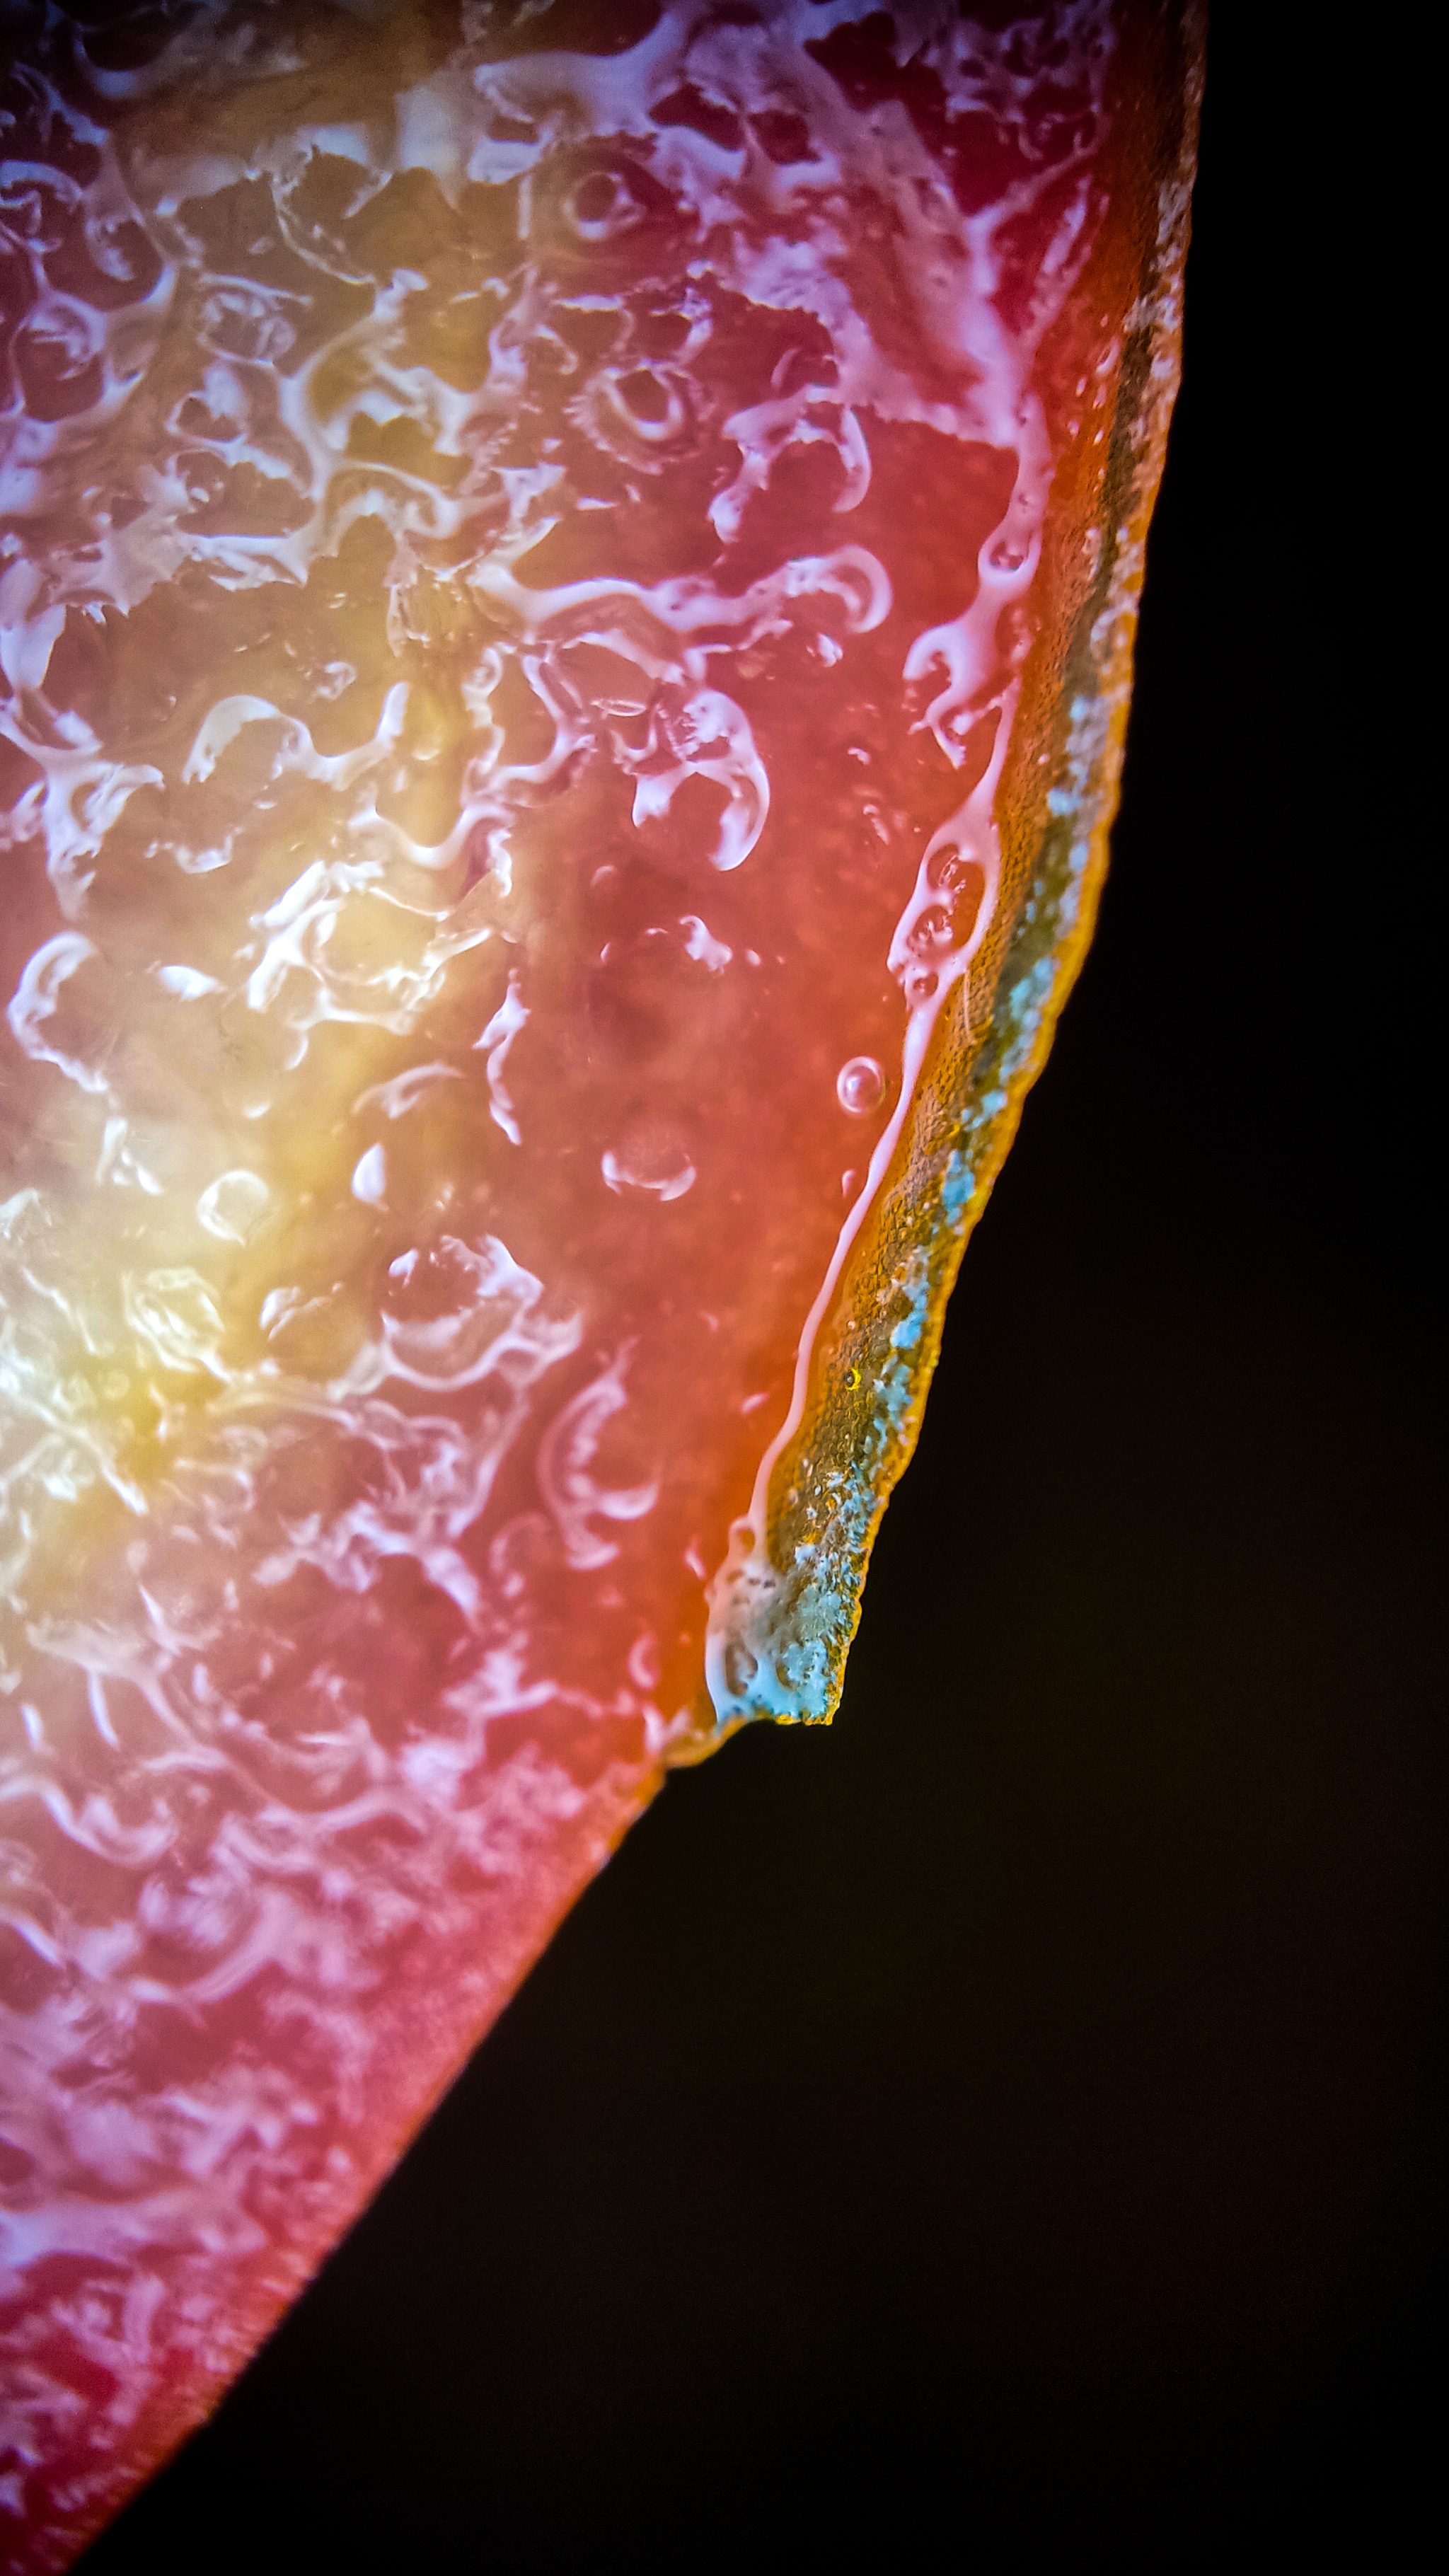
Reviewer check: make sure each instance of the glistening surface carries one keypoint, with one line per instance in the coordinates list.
(518, 565)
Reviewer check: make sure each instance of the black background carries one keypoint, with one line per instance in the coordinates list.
(1008, 2129)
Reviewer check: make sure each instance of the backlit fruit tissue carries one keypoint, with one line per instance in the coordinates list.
(567, 582)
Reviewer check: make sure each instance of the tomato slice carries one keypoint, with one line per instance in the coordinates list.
(566, 590)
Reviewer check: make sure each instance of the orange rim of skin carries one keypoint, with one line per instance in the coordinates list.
(871, 1364)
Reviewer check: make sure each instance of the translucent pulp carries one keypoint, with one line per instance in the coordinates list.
(537, 660)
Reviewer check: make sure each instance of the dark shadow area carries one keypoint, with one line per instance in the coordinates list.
(1008, 2128)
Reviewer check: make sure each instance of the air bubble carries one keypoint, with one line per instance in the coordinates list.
(646, 397)
(860, 1086)
(962, 881)
(932, 928)
(602, 206)
(921, 986)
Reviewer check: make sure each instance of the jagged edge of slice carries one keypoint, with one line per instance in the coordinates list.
(877, 1348)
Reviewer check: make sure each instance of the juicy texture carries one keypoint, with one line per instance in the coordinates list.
(564, 602)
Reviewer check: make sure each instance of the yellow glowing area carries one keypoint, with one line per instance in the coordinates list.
(566, 589)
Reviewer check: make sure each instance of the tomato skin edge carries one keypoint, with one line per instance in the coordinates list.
(875, 1354)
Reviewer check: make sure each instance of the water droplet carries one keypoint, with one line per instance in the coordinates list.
(369, 1179)
(740, 1668)
(860, 1086)
(649, 1165)
(921, 986)
(648, 407)
(703, 946)
(233, 1206)
(186, 982)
